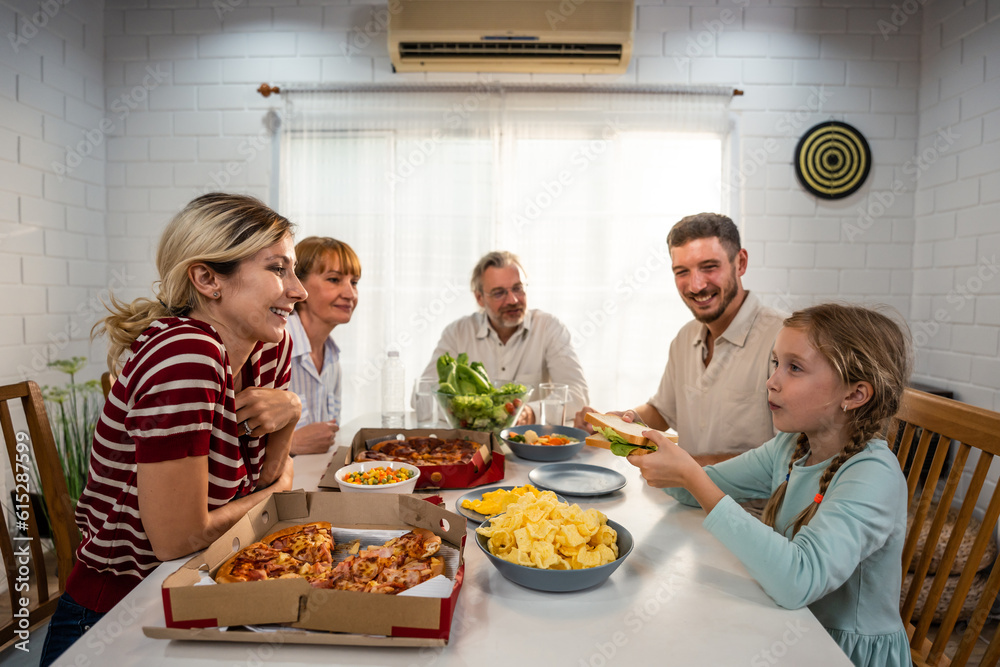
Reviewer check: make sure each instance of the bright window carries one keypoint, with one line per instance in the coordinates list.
(584, 193)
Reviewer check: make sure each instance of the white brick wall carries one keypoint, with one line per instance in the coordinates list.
(958, 231)
(798, 64)
(177, 78)
(52, 173)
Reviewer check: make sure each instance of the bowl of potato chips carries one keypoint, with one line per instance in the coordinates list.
(536, 442)
(548, 545)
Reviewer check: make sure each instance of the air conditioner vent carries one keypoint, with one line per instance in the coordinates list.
(508, 49)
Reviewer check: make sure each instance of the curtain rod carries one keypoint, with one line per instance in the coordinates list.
(266, 89)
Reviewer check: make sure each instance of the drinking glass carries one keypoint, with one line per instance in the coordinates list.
(425, 403)
(553, 396)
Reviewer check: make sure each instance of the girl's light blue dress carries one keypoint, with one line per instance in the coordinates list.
(845, 564)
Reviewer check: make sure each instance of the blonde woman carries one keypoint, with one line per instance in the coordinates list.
(329, 270)
(197, 428)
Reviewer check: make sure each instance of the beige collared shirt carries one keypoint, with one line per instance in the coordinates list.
(721, 408)
(539, 351)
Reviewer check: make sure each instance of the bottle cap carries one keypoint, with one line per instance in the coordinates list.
(393, 353)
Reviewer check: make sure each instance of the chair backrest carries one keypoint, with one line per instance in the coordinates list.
(926, 428)
(34, 447)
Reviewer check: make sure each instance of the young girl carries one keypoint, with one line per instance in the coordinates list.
(329, 270)
(197, 427)
(833, 529)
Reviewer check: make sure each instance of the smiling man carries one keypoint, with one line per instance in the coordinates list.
(513, 342)
(712, 391)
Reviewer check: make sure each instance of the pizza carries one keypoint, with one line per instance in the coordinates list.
(306, 552)
(299, 551)
(421, 451)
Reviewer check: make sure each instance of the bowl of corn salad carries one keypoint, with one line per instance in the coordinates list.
(378, 477)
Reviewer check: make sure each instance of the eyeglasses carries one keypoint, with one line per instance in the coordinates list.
(499, 294)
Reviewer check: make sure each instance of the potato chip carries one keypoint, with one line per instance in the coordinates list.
(538, 511)
(549, 496)
(497, 501)
(607, 553)
(522, 539)
(605, 535)
(568, 552)
(570, 535)
(543, 555)
(500, 542)
(543, 530)
(511, 520)
(539, 531)
(522, 558)
(592, 521)
(586, 558)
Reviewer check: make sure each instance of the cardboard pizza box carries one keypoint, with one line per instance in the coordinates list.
(486, 467)
(196, 611)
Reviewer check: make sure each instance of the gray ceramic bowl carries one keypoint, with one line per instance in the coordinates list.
(544, 452)
(560, 581)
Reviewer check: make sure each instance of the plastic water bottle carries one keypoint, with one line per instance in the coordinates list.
(393, 391)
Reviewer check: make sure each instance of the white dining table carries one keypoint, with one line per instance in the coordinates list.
(680, 598)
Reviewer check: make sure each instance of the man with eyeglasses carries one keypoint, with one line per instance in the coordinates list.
(512, 342)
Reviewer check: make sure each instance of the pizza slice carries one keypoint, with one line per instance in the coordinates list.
(310, 542)
(257, 562)
(417, 544)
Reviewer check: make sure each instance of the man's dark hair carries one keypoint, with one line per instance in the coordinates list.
(704, 226)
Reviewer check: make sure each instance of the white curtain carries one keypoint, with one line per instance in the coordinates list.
(582, 184)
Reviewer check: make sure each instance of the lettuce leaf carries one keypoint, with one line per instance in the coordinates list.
(619, 446)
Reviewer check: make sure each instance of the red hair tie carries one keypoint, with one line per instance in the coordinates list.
(818, 499)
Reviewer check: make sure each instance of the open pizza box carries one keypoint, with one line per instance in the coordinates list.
(486, 466)
(198, 609)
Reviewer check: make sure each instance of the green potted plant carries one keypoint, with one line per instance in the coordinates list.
(73, 411)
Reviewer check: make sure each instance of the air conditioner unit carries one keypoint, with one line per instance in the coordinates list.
(567, 36)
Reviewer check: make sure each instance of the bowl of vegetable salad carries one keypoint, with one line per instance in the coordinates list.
(536, 442)
(378, 477)
(470, 400)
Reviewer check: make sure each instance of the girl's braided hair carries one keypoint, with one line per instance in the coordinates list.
(862, 345)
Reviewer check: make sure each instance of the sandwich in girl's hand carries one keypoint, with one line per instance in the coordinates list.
(621, 437)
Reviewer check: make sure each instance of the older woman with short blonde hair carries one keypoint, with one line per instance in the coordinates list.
(330, 270)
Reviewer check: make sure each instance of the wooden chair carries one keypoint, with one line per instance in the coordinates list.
(24, 448)
(974, 433)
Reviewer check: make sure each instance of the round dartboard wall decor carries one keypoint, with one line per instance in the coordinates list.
(832, 160)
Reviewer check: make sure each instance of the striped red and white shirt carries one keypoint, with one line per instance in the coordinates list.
(173, 399)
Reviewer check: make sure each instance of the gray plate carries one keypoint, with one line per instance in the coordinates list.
(577, 479)
(560, 581)
(477, 495)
